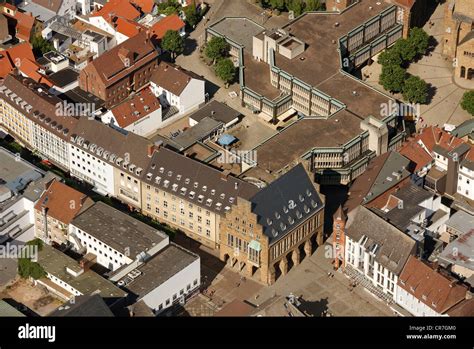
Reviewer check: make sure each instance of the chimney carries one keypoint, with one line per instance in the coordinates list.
(225, 175)
(150, 150)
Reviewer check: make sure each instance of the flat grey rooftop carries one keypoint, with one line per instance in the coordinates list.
(198, 132)
(16, 173)
(55, 263)
(164, 265)
(238, 29)
(304, 135)
(118, 230)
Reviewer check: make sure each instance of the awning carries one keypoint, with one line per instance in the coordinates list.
(226, 139)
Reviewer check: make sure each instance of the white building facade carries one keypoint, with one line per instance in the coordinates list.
(91, 169)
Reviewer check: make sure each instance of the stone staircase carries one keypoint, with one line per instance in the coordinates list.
(365, 282)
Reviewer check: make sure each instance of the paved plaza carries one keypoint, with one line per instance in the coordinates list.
(437, 70)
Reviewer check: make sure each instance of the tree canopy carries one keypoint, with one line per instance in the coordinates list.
(217, 48)
(415, 90)
(225, 70)
(173, 42)
(467, 102)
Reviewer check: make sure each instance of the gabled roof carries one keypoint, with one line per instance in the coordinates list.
(433, 136)
(62, 202)
(145, 6)
(117, 8)
(127, 27)
(160, 28)
(111, 66)
(286, 203)
(52, 5)
(437, 291)
(172, 78)
(24, 26)
(84, 306)
(393, 247)
(382, 173)
(12, 57)
(417, 154)
(464, 129)
(142, 104)
(44, 105)
(202, 185)
(32, 70)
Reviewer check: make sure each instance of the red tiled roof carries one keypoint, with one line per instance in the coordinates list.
(110, 67)
(160, 28)
(430, 287)
(127, 27)
(63, 202)
(145, 5)
(433, 135)
(24, 25)
(13, 57)
(416, 153)
(134, 109)
(117, 8)
(31, 69)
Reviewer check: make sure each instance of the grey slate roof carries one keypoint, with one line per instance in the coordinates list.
(464, 129)
(386, 178)
(411, 197)
(286, 203)
(394, 247)
(84, 306)
(196, 181)
(117, 229)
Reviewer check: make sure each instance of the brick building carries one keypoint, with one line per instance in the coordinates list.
(275, 229)
(117, 73)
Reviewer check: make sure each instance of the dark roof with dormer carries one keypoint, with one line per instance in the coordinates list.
(286, 203)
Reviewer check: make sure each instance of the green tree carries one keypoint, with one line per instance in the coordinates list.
(169, 7)
(419, 40)
(277, 4)
(40, 45)
(467, 102)
(297, 6)
(392, 78)
(415, 90)
(313, 5)
(217, 48)
(192, 16)
(404, 50)
(225, 70)
(173, 43)
(27, 268)
(389, 57)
